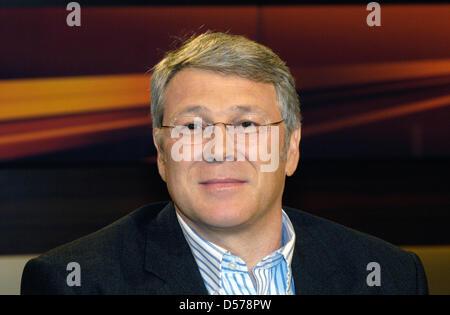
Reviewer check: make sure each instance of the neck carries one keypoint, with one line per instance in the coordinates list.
(251, 241)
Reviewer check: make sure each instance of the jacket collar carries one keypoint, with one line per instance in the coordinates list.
(314, 268)
(169, 257)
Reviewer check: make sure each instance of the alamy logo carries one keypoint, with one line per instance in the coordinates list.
(74, 277)
(374, 17)
(74, 17)
(374, 277)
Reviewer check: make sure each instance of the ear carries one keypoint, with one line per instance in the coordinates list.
(160, 158)
(293, 153)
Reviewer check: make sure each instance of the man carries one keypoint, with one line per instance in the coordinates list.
(227, 130)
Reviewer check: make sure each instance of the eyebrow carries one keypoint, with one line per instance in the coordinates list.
(200, 109)
(248, 109)
(195, 109)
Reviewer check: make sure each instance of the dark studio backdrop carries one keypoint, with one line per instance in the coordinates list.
(76, 150)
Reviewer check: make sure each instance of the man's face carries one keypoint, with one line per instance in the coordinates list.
(223, 194)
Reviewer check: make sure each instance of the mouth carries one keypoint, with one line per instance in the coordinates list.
(223, 183)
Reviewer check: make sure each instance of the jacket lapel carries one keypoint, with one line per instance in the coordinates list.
(169, 257)
(314, 269)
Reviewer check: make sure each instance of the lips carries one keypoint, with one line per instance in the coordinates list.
(222, 183)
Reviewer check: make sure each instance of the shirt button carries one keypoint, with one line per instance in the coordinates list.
(232, 265)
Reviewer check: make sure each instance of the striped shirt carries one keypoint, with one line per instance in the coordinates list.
(226, 274)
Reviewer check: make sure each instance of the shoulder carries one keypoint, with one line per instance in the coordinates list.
(99, 253)
(354, 253)
(332, 233)
(109, 239)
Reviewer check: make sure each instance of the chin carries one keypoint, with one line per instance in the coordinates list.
(225, 214)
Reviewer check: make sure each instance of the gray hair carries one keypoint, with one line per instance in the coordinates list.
(232, 55)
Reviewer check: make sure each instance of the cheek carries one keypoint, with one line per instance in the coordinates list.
(177, 174)
(177, 170)
(270, 183)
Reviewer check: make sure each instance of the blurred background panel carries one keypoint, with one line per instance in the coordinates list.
(91, 84)
(366, 91)
(76, 148)
(110, 40)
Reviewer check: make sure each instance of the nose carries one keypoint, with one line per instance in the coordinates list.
(220, 150)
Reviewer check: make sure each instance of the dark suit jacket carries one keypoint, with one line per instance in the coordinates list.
(145, 252)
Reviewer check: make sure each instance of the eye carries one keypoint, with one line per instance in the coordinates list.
(193, 126)
(247, 124)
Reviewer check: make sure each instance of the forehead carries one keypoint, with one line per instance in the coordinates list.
(214, 93)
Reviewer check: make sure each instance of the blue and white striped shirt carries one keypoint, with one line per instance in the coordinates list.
(226, 274)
